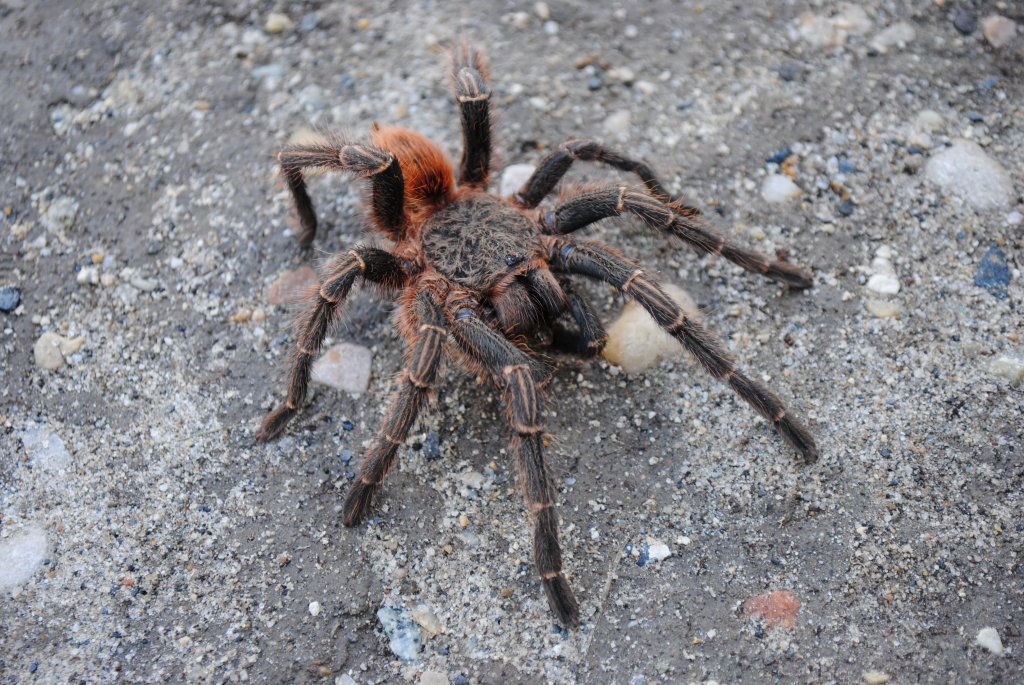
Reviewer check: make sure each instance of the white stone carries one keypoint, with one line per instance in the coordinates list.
(551, 28)
(45, 448)
(434, 678)
(474, 480)
(875, 678)
(883, 309)
(277, 23)
(60, 214)
(657, 550)
(989, 639)
(542, 10)
(636, 342)
(514, 176)
(778, 188)
(898, 35)
(1008, 367)
(853, 19)
(928, 121)
(51, 349)
(88, 275)
(344, 367)
(345, 679)
(884, 284)
(314, 608)
(965, 170)
(998, 30)
(819, 31)
(618, 124)
(20, 555)
(403, 634)
(520, 20)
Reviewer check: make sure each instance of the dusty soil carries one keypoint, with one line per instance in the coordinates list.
(174, 548)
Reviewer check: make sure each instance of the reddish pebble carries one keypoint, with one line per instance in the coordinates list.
(776, 608)
(291, 286)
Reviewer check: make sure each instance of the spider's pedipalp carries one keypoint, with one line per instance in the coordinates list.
(593, 204)
(423, 361)
(331, 153)
(511, 370)
(598, 261)
(375, 265)
(472, 91)
(590, 338)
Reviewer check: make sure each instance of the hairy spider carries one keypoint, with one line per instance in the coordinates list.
(480, 280)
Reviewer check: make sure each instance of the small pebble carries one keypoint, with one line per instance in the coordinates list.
(432, 446)
(618, 124)
(551, 28)
(657, 550)
(898, 35)
(88, 275)
(292, 286)
(1008, 367)
(542, 10)
(929, 121)
(989, 639)
(433, 678)
(514, 177)
(965, 22)
(778, 188)
(967, 171)
(474, 480)
(10, 298)
(622, 74)
(595, 83)
(345, 366)
(345, 679)
(780, 156)
(998, 30)
(846, 207)
(45, 448)
(883, 309)
(314, 608)
(789, 71)
(777, 609)
(427, 620)
(51, 350)
(993, 273)
(635, 340)
(312, 97)
(241, 316)
(60, 214)
(875, 678)
(463, 521)
(519, 20)
(277, 23)
(21, 554)
(646, 88)
(402, 632)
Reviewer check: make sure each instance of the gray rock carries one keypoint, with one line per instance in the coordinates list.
(965, 170)
(402, 631)
(20, 555)
(344, 367)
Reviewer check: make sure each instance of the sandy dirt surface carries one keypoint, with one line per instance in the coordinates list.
(146, 537)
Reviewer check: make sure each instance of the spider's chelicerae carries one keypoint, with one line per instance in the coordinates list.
(481, 280)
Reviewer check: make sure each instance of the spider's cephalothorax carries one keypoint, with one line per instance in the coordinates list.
(479, 279)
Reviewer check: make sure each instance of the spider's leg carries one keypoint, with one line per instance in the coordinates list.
(601, 262)
(552, 168)
(591, 338)
(422, 363)
(373, 265)
(332, 153)
(471, 88)
(593, 204)
(510, 368)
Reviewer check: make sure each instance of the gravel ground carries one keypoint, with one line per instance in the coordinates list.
(145, 536)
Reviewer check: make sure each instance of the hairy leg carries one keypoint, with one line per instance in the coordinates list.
(332, 153)
(373, 265)
(510, 368)
(422, 363)
(552, 168)
(594, 204)
(472, 91)
(601, 262)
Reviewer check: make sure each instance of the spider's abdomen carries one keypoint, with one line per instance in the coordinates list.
(477, 240)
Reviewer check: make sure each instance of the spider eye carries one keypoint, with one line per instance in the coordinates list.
(514, 259)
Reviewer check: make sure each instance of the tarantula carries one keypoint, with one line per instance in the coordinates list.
(480, 279)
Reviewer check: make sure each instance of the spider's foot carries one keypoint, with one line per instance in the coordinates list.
(274, 423)
(799, 437)
(562, 602)
(793, 276)
(357, 503)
